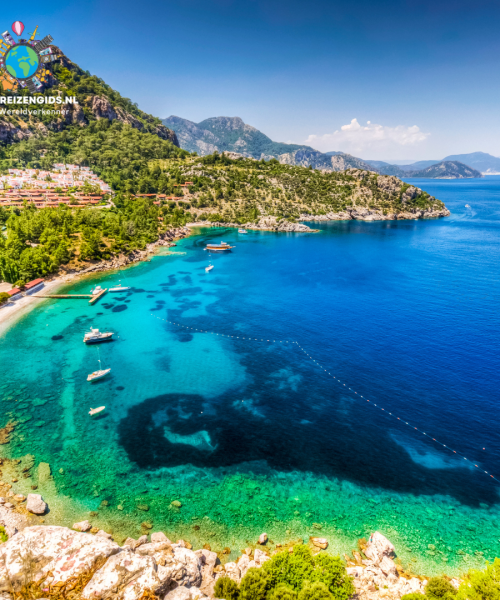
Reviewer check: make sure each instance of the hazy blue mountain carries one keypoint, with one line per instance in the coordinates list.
(446, 170)
(479, 161)
(231, 134)
(482, 161)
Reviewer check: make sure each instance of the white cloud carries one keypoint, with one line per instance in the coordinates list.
(356, 138)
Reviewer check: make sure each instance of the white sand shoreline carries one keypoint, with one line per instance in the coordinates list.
(14, 310)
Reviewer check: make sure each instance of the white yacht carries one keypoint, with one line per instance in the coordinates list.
(96, 411)
(97, 290)
(94, 336)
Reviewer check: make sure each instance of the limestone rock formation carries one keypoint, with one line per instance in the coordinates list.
(125, 574)
(181, 568)
(61, 551)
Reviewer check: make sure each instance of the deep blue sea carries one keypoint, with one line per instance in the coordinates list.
(245, 425)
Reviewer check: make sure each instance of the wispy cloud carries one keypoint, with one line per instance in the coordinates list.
(355, 137)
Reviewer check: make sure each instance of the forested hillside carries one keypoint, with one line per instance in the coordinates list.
(240, 190)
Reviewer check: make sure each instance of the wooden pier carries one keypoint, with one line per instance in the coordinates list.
(96, 297)
(93, 297)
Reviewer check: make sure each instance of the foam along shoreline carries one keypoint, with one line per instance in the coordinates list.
(15, 309)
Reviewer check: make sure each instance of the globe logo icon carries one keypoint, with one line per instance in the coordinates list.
(22, 62)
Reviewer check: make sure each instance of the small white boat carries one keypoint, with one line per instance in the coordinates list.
(98, 374)
(467, 206)
(242, 231)
(96, 411)
(119, 288)
(209, 268)
(97, 290)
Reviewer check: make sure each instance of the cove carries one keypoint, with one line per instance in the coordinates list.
(251, 435)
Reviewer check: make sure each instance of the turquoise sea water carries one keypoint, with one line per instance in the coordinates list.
(253, 435)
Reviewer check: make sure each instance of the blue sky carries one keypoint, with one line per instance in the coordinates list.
(384, 80)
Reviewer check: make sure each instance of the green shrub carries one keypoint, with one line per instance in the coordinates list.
(294, 569)
(481, 585)
(330, 570)
(3, 535)
(283, 592)
(254, 585)
(315, 591)
(291, 569)
(414, 596)
(226, 588)
(439, 588)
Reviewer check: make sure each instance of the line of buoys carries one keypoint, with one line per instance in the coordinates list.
(401, 420)
(392, 415)
(234, 337)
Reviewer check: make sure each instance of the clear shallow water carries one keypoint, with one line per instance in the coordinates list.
(252, 436)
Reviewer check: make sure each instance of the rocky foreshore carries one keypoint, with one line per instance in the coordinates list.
(366, 214)
(166, 240)
(153, 566)
(269, 223)
(264, 224)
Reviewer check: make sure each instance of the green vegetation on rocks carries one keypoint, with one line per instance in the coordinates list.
(292, 575)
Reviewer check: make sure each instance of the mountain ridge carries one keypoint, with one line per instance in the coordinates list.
(480, 161)
(232, 134)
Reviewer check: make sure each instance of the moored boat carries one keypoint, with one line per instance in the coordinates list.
(242, 231)
(94, 336)
(119, 288)
(222, 247)
(97, 290)
(209, 268)
(98, 374)
(96, 411)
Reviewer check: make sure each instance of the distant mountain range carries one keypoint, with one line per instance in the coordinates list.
(231, 134)
(479, 161)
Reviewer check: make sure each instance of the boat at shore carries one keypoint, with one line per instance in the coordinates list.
(97, 290)
(98, 374)
(96, 411)
(222, 247)
(94, 336)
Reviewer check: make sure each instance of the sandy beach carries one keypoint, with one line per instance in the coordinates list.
(15, 309)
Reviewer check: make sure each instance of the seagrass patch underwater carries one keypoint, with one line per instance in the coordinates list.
(217, 439)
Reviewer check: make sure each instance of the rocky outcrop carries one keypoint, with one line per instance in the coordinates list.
(103, 109)
(372, 583)
(11, 521)
(366, 214)
(57, 550)
(9, 133)
(265, 224)
(127, 575)
(169, 570)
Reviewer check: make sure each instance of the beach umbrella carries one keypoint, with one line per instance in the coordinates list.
(18, 27)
